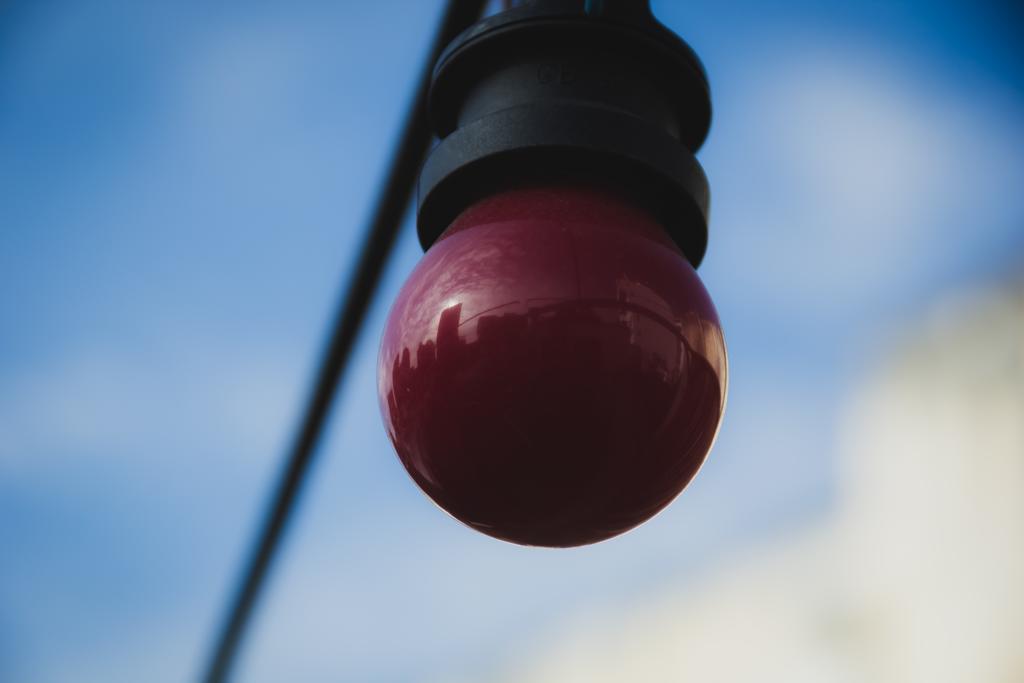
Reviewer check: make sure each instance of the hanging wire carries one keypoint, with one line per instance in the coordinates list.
(387, 217)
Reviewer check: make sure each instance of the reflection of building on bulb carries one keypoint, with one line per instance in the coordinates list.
(575, 398)
(553, 372)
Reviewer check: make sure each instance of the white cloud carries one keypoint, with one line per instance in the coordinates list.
(917, 576)
(115, 403)
(858, 174)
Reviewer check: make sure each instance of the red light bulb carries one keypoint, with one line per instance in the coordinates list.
(553, 372)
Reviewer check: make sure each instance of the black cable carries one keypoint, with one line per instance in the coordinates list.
(387, 218)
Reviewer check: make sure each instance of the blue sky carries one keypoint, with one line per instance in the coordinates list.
(182, 189)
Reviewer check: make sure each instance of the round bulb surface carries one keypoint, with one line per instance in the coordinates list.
(553, 372)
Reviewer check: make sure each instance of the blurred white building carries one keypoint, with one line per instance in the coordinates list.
(917, 577)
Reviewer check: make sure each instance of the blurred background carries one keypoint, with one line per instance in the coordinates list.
(183, 187)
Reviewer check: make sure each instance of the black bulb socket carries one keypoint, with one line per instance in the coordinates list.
(575, 90)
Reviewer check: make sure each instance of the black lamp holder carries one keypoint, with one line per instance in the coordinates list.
(577, 90)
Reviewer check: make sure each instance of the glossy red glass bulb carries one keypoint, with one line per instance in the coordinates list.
(553, 372)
